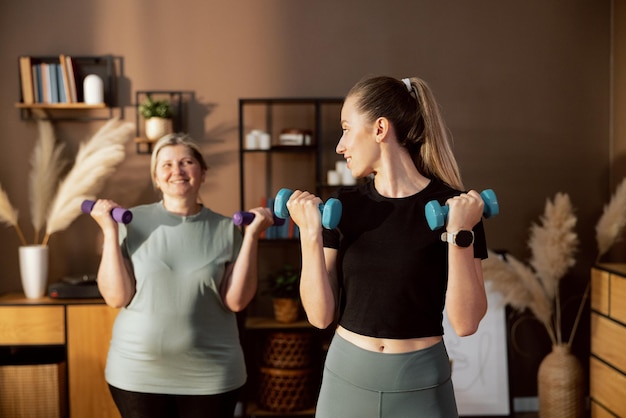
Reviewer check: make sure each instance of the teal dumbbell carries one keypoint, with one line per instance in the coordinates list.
(330, 211)
(436, 214)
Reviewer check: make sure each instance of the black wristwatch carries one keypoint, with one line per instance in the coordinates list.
(461, 238)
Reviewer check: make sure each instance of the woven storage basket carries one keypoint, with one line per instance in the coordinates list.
(288, 350)
(285, 390)
(560, 385)
(33, 391)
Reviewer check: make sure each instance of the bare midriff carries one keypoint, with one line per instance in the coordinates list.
(388, 345)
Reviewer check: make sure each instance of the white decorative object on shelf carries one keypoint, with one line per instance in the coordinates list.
(257, 139)
(265, 141)
(345, 175)
(293, 136)
(333, 178)
(93, 89)
(34, 270)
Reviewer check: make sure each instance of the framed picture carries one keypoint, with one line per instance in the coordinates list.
(480, 372)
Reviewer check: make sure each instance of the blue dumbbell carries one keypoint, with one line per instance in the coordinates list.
(436, 214)
(330, 211)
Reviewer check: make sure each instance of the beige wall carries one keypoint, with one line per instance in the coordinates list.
(524, 86)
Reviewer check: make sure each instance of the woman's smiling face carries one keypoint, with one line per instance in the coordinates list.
(178, 173)
(358, 140)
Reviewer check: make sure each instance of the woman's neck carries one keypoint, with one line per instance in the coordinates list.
(398, 177)
(182, 207)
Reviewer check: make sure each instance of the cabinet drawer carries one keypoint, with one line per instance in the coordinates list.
(618, 298)
(598, 411)
(608, 339)
(600, 291)
(607, 387)
(25, 325)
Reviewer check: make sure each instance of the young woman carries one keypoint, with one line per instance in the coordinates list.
(179, 272)
(385, 272)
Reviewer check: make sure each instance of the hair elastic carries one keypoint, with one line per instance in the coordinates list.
(407, 83)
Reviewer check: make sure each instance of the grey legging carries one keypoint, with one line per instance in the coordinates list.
(358, 383)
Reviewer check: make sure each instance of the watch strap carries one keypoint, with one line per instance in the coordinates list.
(451, 237)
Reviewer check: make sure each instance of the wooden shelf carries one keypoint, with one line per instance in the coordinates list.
(253, 410)
(60, 106)
(69, 104)
(270, 323)
(179, 101)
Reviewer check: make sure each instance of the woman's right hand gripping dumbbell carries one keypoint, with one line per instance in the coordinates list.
(101, 213)
(262, 219)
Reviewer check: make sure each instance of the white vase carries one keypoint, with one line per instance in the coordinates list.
(93, 89)
(158, 127)
(34, 270)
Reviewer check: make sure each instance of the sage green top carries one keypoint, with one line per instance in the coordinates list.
(176, 336)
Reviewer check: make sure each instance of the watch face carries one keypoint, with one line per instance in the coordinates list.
(464, 238)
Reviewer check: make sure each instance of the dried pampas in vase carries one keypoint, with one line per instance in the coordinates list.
(553, 244)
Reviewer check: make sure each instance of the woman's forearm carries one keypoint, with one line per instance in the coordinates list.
(466, 300)
(115, 280)
(317, 284)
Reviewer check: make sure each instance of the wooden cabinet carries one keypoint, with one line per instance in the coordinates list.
(82, 327)
(89, 330)
(607, 365)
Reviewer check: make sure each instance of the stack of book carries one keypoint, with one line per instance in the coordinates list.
(45, 81)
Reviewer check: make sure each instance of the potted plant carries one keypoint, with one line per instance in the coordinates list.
(284, 288)
(158, 116)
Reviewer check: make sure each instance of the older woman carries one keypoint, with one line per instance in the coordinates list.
(179, 272)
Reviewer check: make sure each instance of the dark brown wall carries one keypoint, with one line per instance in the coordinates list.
(524, 86)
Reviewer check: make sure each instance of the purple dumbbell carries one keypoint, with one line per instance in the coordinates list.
(120, 215)
(245, 218)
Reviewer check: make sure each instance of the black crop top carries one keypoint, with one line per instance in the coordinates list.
(393, 270)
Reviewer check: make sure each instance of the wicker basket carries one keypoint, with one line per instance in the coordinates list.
(288, 350)
(283, 390)
(560, 385)
(33, 391)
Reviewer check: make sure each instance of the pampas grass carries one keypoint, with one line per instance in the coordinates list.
(47, 165)
(553, 244)
(9, 215)
(95, 160)
(611, 224)
(57, 207)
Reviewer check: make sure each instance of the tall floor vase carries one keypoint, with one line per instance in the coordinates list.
(560, 385)
(34, 270)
